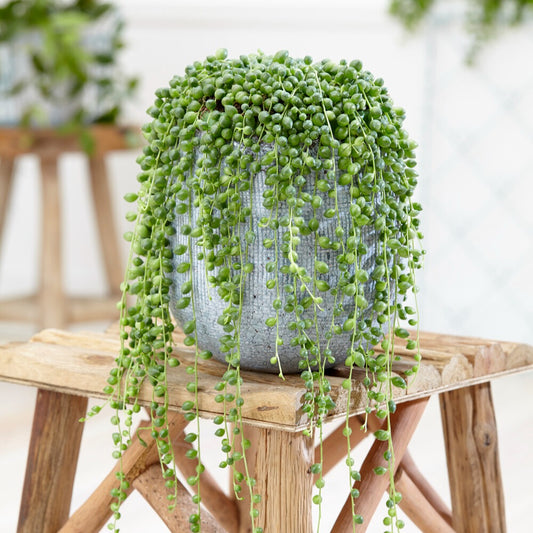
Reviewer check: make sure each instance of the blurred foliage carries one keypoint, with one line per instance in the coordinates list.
(54, 38)
(483, 18)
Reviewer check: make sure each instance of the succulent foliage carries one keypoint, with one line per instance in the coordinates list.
(331, 130)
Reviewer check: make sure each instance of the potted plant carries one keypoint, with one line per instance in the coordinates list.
(58, 64)
(275, 222)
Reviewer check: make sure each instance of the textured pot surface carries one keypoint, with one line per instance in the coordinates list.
(257, 340)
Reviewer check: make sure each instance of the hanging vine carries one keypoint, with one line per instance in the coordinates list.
(282, 172)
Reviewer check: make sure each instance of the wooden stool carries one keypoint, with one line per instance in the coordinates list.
(50, 307)
(68, 367)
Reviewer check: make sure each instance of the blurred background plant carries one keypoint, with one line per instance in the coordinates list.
(58, 63)
(483, 19)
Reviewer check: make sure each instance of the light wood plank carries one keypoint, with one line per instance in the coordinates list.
(51, 142)
(471, 441)
(6, 184)
(105, 222)
(79, 309)
(52, 300)
(21, 309)
(280, 462)
(82, 309)
(52, 458)
(84, 370)
(489, 359)
(80, 362)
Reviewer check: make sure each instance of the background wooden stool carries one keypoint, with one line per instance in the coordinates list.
(51, 307)
(72, 367)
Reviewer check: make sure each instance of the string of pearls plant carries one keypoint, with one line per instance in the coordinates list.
(336, 171)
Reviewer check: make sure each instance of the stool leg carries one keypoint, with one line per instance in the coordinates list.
(411, 471)
(52, 299)
(93, 514)
(280, 462)
(417, 507)
(335, 444)
(151, 486)
(222, 508)
(106, 223)
(471, 441)
(371, 486)
(52, 458)
(6, 182)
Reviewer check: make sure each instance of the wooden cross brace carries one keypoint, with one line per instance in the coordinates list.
(279, 460)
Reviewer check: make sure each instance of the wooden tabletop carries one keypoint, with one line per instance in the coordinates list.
(79, 363)
(106, 138)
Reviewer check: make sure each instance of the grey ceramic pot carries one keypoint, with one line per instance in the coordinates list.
(257, 340)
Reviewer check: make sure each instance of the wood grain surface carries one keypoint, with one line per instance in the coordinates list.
(79, 363)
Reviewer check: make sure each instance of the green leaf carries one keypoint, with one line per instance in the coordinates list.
(17, 88)
(104, 59)
(381, 434)
(130, 197)
(87, 142)
(402, 333)
(38, 63)
(399, 382)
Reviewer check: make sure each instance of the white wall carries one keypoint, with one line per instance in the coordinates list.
(474, 127)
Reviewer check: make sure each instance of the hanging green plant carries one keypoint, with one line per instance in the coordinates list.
(484, 19)
(276, 224)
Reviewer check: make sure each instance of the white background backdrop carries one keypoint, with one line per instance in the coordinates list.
(474, 126)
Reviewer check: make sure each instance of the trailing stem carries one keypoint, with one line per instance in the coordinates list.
(298, 170)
